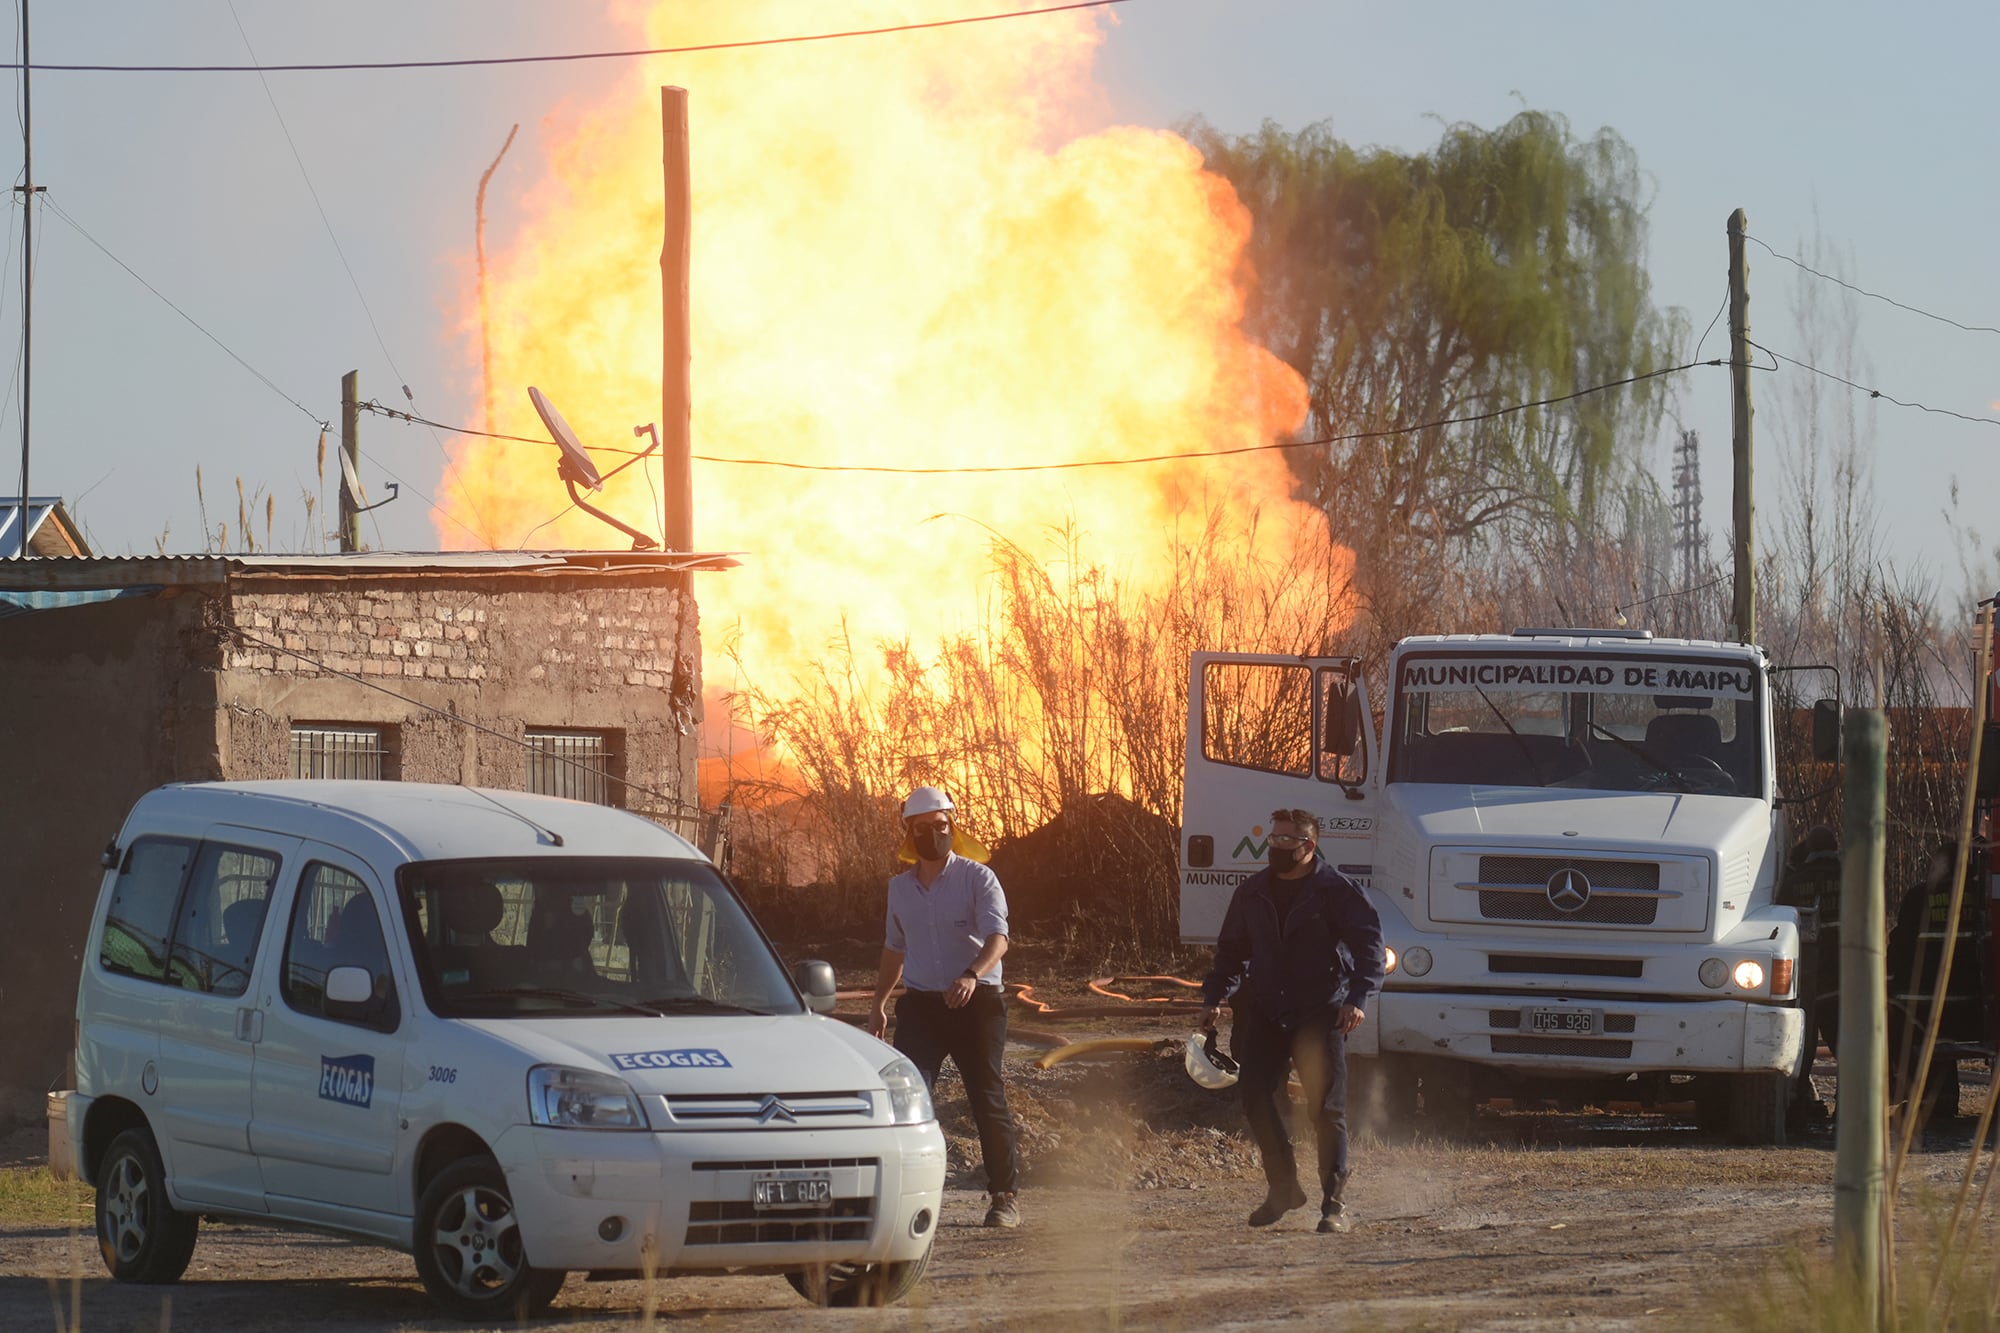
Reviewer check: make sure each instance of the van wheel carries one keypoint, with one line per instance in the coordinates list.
(847, 1285)
(468, 1247)
(142, 1237)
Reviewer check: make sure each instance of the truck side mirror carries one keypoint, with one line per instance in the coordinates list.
(1988, 784)
(1826, 730)
(1340, 730)
(815, 982)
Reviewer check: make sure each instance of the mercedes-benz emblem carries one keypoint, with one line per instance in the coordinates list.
(1569, 890)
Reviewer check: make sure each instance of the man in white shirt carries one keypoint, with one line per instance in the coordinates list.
(945, 934)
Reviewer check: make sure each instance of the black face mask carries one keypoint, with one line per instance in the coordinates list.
(932, 844)
(1287, 858)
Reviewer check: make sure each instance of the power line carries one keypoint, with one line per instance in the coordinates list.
(461, 719)
(1383, 433)
(1875, 393)
(338, 250)
(1915, 310)
(56, 208)
(573, 56)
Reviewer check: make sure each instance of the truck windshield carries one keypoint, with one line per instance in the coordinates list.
(1602, 723)
(546, 937)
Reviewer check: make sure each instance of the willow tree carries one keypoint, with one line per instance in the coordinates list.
(1502, 267)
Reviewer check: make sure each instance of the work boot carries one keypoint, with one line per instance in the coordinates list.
(1002, 1211)
(1333, 1214)
(1280, 1200)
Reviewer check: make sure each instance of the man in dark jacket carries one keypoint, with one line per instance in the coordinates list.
(1301, 952)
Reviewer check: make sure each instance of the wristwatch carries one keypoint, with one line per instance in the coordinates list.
(969, 974)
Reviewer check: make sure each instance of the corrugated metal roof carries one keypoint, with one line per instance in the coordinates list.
(196, 570)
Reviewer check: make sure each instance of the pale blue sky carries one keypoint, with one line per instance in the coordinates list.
(1875, 126)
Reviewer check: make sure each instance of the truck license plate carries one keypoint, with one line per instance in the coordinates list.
(792, 1189)
(1569, 1022)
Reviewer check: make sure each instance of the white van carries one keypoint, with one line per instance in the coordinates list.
(512, 1035)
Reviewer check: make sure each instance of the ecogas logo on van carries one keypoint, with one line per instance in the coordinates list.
(380, 1009)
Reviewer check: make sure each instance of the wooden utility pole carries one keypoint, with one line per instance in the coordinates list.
(350, 452)
(1741, 507)
(1861, 1114)
(676, 467)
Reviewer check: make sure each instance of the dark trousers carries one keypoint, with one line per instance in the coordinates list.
(974, 1036)
(1267, 1051)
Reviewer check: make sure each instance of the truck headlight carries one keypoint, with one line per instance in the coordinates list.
(1714, 972)
(909, 1099)
(581, 1099)
(1416, 961)
(1388, 960)
(1749, 975)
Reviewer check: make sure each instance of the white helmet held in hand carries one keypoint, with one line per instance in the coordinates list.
(924, 800)
(1207, 1063)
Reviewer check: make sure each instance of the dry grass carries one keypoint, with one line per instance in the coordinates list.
(32, 1196)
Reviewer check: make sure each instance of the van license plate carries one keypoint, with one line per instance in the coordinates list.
(792, 1189)
(1569, 1022)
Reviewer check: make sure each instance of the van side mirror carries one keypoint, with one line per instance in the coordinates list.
(1826, 730)
(815, 981)
(349, 985)
(1987, 785)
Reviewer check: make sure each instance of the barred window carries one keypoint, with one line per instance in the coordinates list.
(575, 764)
(321, 751)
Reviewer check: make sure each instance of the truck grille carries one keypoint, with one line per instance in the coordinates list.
(1622, 893)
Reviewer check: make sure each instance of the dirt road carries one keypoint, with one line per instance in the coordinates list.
(1548, 1223)
(1137, 1185)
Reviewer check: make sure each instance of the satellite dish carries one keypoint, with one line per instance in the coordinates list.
(576, 465)
(576, 468)
(350, 480)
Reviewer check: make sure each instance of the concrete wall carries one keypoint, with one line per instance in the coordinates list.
(103, 702)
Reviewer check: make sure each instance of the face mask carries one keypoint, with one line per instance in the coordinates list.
(932, 844)
(1287, 858)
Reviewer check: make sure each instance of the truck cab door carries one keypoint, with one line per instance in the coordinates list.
(1267, 733)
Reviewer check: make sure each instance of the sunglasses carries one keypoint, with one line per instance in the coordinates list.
(1289, 839)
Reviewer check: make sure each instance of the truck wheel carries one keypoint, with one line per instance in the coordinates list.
(468, 1247)
(1382, 1097)
(1758, 1103)
(142, 1237)
(848, 1285)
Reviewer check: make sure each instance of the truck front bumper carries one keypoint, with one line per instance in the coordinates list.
(1624, 1035)
(684, 1201)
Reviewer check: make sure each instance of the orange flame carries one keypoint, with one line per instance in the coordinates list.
(907, 253)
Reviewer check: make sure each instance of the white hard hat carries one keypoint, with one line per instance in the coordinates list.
(1208, 1064)
(924, 800)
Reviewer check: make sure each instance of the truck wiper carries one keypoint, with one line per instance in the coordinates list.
(1608, 734)
(1541, 778)
(574, 999)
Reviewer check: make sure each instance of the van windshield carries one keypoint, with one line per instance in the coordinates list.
(543, 937)
(1603, 723)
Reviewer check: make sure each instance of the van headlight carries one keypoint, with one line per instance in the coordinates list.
(581, 1099)
(909, 1099)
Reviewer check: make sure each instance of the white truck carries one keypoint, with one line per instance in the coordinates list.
(1574, 840)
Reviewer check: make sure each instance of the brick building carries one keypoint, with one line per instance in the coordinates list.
(576, 673)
